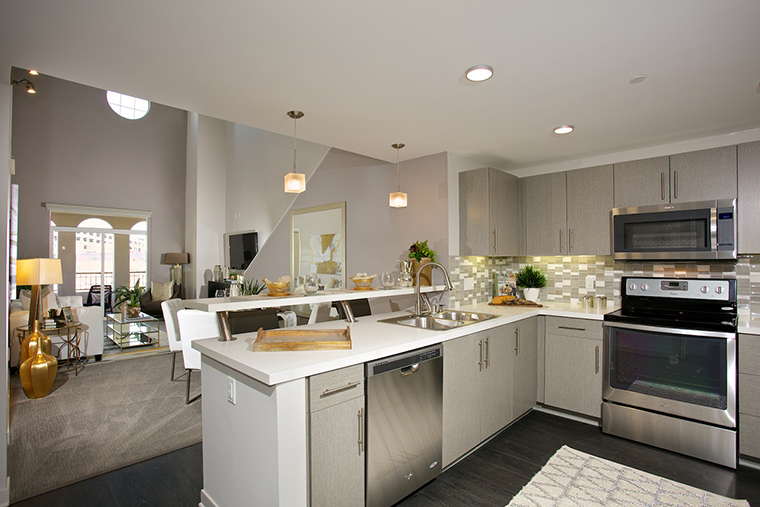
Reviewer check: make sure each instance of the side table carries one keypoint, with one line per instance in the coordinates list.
(70, 336)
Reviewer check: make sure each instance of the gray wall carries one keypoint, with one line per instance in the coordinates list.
(377, 236)
(71, 148)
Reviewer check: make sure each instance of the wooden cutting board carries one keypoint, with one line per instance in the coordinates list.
(518, 302)
(302, 339)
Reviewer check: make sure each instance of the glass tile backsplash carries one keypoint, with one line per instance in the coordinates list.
(566, 276)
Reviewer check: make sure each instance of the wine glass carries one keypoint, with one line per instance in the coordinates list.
(311, 284)
(388, 279)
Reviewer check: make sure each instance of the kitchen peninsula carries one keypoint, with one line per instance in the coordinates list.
(256, 405)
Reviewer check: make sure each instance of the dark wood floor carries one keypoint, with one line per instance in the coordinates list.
(491, 476)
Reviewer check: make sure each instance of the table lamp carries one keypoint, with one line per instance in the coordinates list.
(176, 259)
(37, 272)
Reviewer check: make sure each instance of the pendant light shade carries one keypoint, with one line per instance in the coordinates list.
(295, 182)
(397, 199)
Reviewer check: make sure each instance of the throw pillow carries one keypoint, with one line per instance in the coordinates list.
(49, 302)
(161, 291)
(26, 297)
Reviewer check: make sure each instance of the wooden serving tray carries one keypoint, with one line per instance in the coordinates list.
(518, 302)
(305, 339)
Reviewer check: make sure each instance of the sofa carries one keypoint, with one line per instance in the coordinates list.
(153, 308)
(91, 317)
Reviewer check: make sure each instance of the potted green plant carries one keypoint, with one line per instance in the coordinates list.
(129, 298)
(532, 280)
(252, 287)
(421, 254)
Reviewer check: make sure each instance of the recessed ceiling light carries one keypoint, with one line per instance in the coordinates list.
(479, 73)
(34, 72)
(638, 78)
(563, 129)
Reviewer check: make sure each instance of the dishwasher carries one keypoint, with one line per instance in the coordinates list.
(404, 424)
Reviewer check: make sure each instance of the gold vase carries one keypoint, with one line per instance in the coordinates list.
(29, 344)
(426, 278)
(38, 372)
(133, 311)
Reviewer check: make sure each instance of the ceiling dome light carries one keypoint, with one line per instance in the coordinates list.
(479, 73)
(563, 129)
(638, 78)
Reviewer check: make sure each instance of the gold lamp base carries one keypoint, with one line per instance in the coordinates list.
(38, 372)
(29, 344)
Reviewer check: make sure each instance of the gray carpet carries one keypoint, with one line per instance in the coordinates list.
(113, 414)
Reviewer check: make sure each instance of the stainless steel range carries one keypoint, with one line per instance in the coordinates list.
(670, 366)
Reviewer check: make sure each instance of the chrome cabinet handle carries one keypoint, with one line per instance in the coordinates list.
(488, 352)
(560, 241)
(572, 328)
(662, 185)
(675, 184)
(350, 385)
(360, 441)
(517, 341)
(480, 362)
(596, 359)
(569, 241)
(495, 240)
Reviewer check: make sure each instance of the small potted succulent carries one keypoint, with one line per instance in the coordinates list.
(532, 280)
(421, 254)
(129, 298)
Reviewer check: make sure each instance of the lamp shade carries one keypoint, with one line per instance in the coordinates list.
(38, 271)
(397, 199)
(295, 183)
(176, 258)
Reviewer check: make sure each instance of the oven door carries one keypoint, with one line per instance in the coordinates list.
(680, 372)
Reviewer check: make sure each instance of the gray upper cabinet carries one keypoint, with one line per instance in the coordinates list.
(488, 213)
(703, 175)
(642, 182)
(748, 200)
(543, 206)
(589, 202)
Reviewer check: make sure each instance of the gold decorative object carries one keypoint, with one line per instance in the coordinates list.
(29, 344)
(133, 311)
(38, 372)
(426, 278)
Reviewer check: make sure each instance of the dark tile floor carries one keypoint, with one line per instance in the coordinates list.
(491, 476)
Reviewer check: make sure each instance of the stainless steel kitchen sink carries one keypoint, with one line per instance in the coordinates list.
(440, 321)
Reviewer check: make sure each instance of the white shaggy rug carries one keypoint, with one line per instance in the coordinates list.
(574, 478)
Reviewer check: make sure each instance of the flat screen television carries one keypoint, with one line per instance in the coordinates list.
(240, 248)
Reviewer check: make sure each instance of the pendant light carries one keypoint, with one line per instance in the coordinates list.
(295, 182)
(397, 199)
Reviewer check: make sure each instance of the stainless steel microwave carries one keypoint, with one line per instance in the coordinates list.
(680, 231)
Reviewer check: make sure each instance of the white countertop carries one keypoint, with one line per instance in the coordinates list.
(749, 324)
(298, 298)
(371, 340)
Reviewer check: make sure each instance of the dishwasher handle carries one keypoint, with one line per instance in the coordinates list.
(408, 370)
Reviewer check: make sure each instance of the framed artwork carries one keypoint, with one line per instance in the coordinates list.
(68, 315)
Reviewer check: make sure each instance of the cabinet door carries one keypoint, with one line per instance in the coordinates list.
(642, 182)
(337, 456)
(703, 175)
(524, 379)
(544, 204)
(573, 374)
(496, 380)
(503, 199)
(748, 200)
(474, 235)
(462, 395)
(589, 202)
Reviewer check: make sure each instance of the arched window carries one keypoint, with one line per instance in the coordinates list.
(127, 106)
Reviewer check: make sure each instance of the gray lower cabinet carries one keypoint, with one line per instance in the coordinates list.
(573, 365)
(488, 213)
(337, 437)
(477, 389)
(524, 372)
(642, 182)
(748, 161)
(749, 395)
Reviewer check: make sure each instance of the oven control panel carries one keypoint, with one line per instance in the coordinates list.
(686, 288)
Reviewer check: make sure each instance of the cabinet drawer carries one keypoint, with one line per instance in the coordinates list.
(749, 394)
(580, 328)
(749, 354)
(333, 387)
(749, 435)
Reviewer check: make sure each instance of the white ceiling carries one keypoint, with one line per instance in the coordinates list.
(368, 74)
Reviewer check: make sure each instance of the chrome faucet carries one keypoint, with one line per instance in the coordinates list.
(446, 279)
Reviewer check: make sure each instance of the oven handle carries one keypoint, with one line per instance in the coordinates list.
(670, 330)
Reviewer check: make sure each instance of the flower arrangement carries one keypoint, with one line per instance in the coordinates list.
(421, 249)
